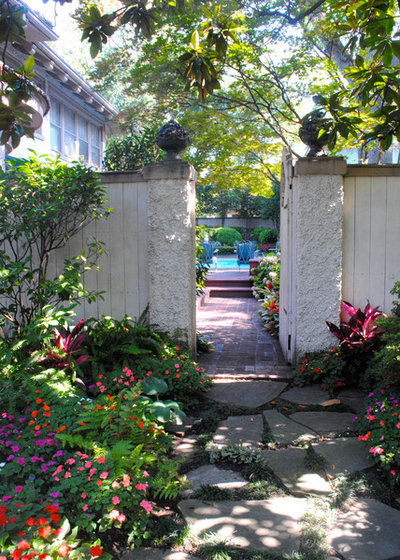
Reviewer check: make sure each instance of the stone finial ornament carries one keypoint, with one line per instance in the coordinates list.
(172, 138)
(309, 130)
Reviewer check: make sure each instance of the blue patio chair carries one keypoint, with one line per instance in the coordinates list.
(245, 251)
(207, 255)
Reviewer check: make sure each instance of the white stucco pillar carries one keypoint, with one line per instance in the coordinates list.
(318, 205)
(171, 249)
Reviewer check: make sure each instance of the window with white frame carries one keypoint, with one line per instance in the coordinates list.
(73, 136)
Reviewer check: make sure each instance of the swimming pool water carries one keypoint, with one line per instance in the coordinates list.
(227, 263)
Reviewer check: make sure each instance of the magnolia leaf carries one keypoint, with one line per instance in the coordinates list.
(29, 64)
(195, 40)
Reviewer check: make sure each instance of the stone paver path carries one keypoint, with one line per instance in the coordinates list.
(285, 430)
(290, 465)
(249, 371)
(258, 524)
(211, 475)
(246, 393)
(245, 430)
(243, 348)
(325, 423)
(368, 529)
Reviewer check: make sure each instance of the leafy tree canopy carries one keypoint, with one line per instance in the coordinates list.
(253, 61)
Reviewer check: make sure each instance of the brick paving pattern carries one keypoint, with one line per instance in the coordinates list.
(243, 349)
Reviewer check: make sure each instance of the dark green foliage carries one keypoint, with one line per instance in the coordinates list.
(131, 345)
(114, 344)
(228, 236)
(328, 367)
(226, 250)
(396, 304)
(43, 203)
(384, 366)
(267, 235)
(132, 152)
(201, 270)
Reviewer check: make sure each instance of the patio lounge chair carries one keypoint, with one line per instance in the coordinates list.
(207, 255)
(245, 251)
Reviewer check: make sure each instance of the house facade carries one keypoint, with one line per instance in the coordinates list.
(78, 119)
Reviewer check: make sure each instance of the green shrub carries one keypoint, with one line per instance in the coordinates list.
(227, 236)
(226, 250)
(328, 367)
(132, 151)
(267, 235)
(384, 367)
(114, 345)
(43, 203)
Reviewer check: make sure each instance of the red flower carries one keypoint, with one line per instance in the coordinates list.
(44, 531)
(96, 551)
(23, 545)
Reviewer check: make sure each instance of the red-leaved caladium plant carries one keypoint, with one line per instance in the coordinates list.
(66, 345)
(360, 331)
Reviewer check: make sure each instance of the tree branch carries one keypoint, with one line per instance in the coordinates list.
(291, 20)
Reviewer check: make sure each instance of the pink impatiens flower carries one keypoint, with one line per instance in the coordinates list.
(115, 500)
(114, 513)
(376, 450)
(145, 505)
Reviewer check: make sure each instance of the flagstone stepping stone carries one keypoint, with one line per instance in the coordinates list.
(367, 530)
(353, 398)
(289, 465)
(325, 422)
(313, 394)
(272, 524)
(246, 393)
(185, 448)
(155, 554)
(213, 476)
(281, 373)
(285, 430)
(247, 430)
(343, 455)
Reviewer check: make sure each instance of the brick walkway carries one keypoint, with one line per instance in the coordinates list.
(243, 349)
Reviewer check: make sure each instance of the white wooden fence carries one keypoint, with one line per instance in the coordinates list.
(340, 240)
(371, 234)
(149, 257)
